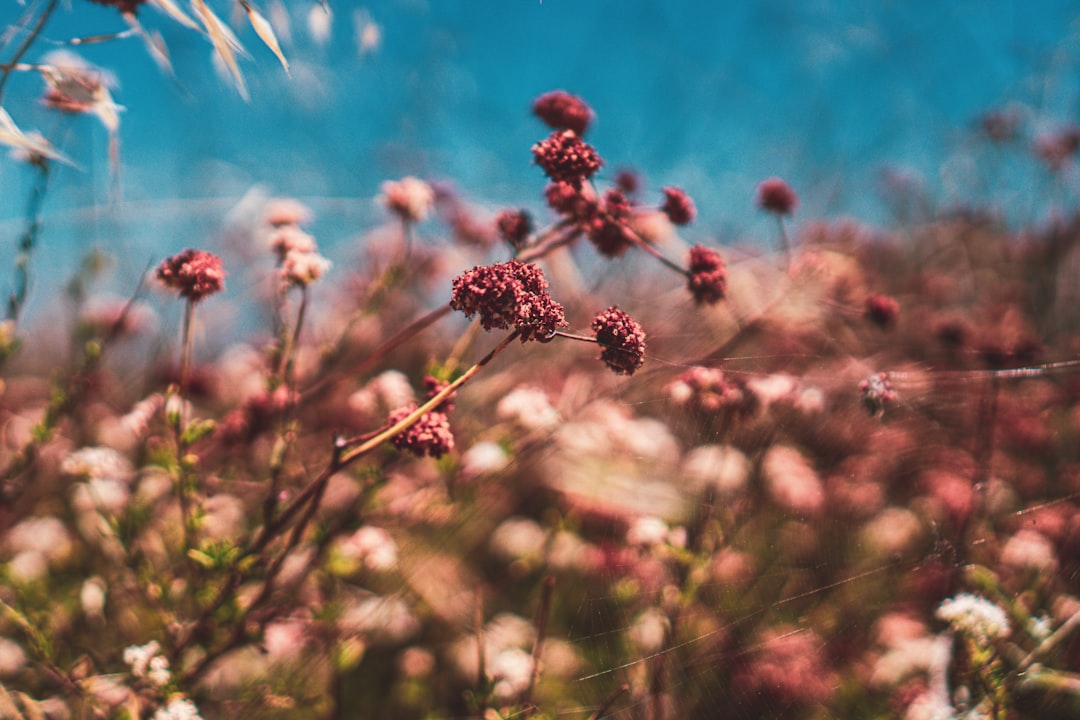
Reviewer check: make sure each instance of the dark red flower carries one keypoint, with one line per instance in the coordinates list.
(621, 340)
(882, 310)
(430, 435)
(708, 276)
(194, 273)
(776, 196)
(513, 226)
(125, 6)
(628, 181)
(678, 206)
(563, 111)
(607, 228)
(510, 294)
(566, 157)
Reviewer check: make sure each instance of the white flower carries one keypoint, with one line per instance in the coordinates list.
(148, 664)
(975, 617)
(179, 708)
(511, 669)
(647, 531)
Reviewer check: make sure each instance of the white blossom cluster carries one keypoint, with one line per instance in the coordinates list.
(148, 664)
(179, 708)
(975, 617)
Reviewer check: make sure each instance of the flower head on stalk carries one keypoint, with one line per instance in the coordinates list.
(430, 435)
(562, 111)
(511, 294)
(678, 206)
(195, 274)
(776, 196)
(621, 340)
(410, 198)
(707, 276)
(565, 157)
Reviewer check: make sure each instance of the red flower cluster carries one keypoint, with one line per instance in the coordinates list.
(513, 226)
(563, 111)
(776, 196)
(606, 228)
(434, 386)
(194, 273)
(566, 157)
(678, 206)
(707, 276)
(430, 435)
(621, 340)
(510, 294)
(125, 6)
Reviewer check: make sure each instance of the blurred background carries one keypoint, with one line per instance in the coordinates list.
(867, 109)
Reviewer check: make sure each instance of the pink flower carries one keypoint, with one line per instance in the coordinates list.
(621, 340)
(567, 158)
(303, 268)
(430, 435)
(289, 238)
(563, 111)
(877, 392)
(678, 206)
(194, 273)
(707, 276)
(286, 211)
(410, 198)
(510, 294)
(776, 196)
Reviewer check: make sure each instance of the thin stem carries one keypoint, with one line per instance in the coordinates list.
(30, 38)
(784, 240)
(647, 247)
(549, 243)
(186, 354)
(602, 710)
(27, 243)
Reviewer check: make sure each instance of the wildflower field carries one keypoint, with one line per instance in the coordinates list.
(572, 457)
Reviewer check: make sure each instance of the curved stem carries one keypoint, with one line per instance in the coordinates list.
(30, 38)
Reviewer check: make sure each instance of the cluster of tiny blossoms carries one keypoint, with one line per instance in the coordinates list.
(975, 617)
(621, 340)
(707, 276)
(147, 663)
(511, 294)
(299, 261)
(195, 274)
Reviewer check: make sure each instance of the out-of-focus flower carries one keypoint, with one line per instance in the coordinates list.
(289, 238)
(607, 227)
(511, 670)
(649, 631)
(92, 598)
(776, 196)
(509, 294)
(975, 617)
(410, 198)
(76, 86)
(647, 531)
(877, 392)
(124, 6)
(678, 206)
(147, 663)
(514, 226)
(303, 268)
(1057, 148)
(529, 408)
(483, 458)
(1030, 550)
(562, 111)
(195, 274)
(565, 157)
(881, 310)
(387, 391)
(791, 481)
(707, 276)
(179, 708)
(96, 463)
(788, 664)
(12, 657)
(721, 466)
(286, 211)
(706, 390)
(1000, 126)
(137, 420)
(621, 340)
(517, 537)
(371, 547)
(430, 435)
